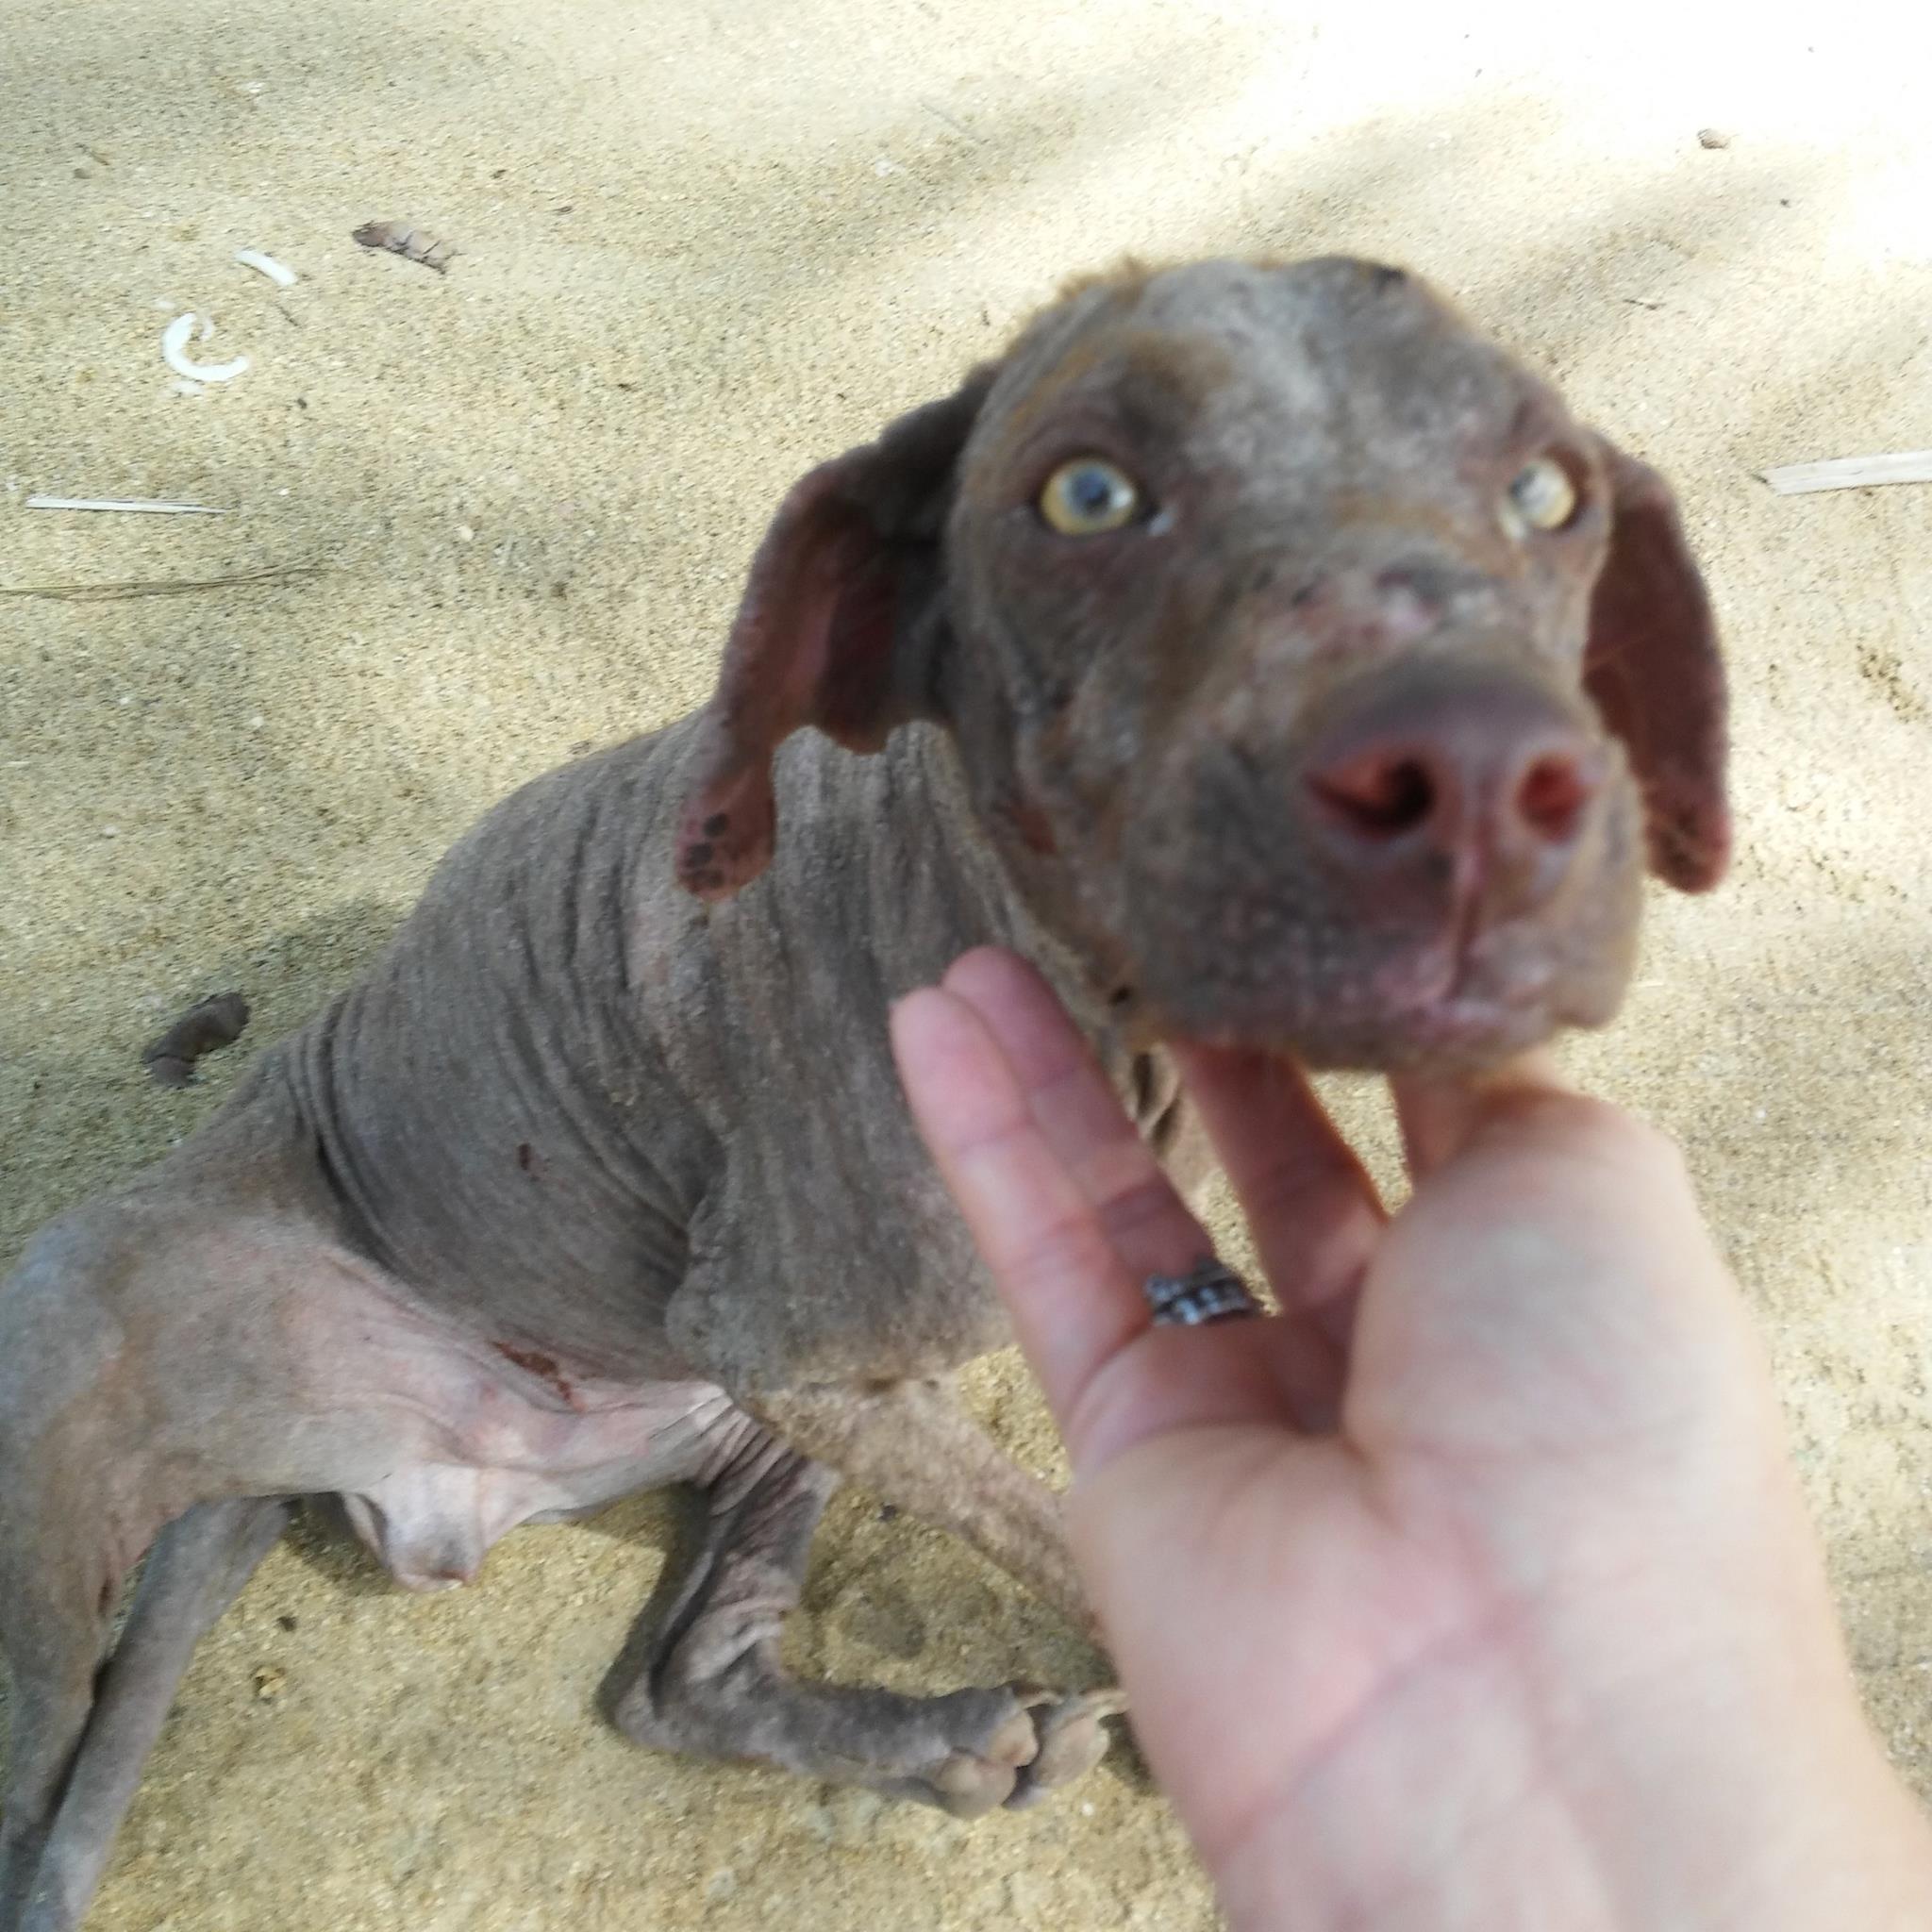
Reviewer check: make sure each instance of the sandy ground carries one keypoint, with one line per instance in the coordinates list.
(701, 247)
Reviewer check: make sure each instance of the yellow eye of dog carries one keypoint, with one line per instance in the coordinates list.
(1543, 495)
(1087, 497)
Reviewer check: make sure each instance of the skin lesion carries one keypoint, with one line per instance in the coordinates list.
(543, 1366)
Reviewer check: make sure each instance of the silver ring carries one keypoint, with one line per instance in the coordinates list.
(1208, 1292)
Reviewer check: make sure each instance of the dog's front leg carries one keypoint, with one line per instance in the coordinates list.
(912, 1444)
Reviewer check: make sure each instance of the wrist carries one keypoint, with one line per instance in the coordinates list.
(1800, 1827)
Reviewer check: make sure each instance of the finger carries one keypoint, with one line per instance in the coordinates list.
(1137, 1204)
(1438, 1115)
(1152, 1229)
(1073, 1301)
(1078, 1310)
(1310, 1205)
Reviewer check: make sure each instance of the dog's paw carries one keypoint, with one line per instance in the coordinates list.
(1072, 1737)
(1043, 1741)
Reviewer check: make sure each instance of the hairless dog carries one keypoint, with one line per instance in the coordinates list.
(1257, 647)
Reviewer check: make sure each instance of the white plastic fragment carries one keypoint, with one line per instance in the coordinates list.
(279, 273)
(133, 502)
(1852, 472)
(174, 341)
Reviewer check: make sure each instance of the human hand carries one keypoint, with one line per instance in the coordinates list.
(1472, 1588)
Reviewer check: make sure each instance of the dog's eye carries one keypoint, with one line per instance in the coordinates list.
(1087, 497)
(1542, 498)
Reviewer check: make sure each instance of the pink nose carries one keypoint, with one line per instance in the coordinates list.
(1493, 781)
(1394, 791)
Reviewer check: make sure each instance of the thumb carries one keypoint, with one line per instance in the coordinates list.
(1550, 1287)
(1438, 1115)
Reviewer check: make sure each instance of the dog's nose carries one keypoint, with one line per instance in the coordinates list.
(1490, 786)
(1532, 793)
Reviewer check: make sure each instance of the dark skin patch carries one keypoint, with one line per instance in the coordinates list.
(534, 1361)
(1034, 828)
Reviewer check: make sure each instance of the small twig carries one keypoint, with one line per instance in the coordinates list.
(163, 587)
(939, 113)
(1852, 472)
(146, 504)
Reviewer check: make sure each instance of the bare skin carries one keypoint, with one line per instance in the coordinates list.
(1473, 1589)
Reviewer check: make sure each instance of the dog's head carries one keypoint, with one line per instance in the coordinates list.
(1322, 680)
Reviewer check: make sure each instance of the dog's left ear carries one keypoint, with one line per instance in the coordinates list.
(1653, 669)
(836, 629)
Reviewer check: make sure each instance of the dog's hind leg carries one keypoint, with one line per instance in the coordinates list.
(53, 1652)
(194, 1571)
(149, 1398)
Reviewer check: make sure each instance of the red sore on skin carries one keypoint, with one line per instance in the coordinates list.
(539, 1364)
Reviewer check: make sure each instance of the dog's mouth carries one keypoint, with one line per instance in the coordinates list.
(1479, 996)
(1456, 1031)
(1448, 1006)
(1412, 975)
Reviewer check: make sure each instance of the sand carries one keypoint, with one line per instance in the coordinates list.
(702, 245)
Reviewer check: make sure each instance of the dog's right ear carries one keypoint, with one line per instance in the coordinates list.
(835, 630)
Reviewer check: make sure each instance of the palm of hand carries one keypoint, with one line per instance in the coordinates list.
(1384, 1564)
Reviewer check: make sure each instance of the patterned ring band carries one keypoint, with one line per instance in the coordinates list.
(1208, 1292)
